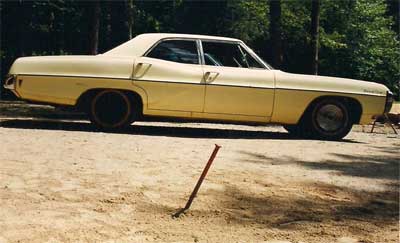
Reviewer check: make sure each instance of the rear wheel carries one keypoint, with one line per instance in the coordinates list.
(110, 110)
(329, 119)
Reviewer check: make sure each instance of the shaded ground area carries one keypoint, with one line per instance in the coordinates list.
(61, 180)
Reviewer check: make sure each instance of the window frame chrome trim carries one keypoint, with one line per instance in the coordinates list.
(255, 56)
(200, 46)
(200, 50)
(242, 45)
(175, 38)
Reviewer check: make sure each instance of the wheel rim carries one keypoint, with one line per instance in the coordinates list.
(330, 118)
(111, 109)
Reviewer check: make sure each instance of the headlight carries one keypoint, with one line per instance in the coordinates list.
(389, 101)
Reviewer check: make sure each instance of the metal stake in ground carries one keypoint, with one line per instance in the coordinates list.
(197, 187)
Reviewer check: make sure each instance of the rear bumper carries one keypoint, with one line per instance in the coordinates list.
(10, 82)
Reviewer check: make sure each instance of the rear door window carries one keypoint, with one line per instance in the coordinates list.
(182, 51)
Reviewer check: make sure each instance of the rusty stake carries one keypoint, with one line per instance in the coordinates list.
(197, 187)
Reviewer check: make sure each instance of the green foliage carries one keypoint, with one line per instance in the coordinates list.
(246, 20)
(375, 50)
(357, 42)
(296, 25)
(357, 37)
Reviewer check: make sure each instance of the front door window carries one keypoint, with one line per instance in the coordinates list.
(228, 55)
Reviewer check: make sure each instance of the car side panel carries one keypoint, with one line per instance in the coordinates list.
(239, 91)
(77, 66)
(290, 104)
(66, 90)
(294, 93)
(63, 79)
(170, 85)
(247, 101)
(327, 84)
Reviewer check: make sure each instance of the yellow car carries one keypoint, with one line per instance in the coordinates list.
(197, 77)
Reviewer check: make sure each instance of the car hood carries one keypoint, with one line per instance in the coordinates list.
(92, 66)
(328, 84)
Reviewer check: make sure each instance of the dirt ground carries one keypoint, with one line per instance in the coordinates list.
(62, 181)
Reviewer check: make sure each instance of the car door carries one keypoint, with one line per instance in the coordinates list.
(171, 75)
(236, 82)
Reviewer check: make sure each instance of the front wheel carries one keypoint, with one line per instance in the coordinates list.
(329, 119)
(110, 110)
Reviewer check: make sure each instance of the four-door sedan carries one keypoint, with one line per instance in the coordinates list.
(198, 77)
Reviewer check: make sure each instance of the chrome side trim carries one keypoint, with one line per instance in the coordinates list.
(238, 86)
(208, 84)
(327, 91)
(70, 76)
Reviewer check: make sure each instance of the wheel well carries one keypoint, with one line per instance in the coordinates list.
(84, 99)
(354, 106)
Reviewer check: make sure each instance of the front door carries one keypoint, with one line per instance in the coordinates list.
(171, 75)
(236, 82)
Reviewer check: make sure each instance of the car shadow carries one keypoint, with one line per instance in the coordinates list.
(383, 166)
(151, 130)
(320, 203)
(148, 130)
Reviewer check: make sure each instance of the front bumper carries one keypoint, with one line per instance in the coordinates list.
(389, 101)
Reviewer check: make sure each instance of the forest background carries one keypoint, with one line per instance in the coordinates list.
(343, 38)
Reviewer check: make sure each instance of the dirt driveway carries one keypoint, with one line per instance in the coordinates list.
(61, 181)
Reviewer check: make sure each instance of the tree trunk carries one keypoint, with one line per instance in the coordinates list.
(315, 12)
(131, 14)
(1, 73)
(275, 31)
(94, 28)
(393, 9)
(22, 27)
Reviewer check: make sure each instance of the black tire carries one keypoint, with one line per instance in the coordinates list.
(328, 119)
(110, 110)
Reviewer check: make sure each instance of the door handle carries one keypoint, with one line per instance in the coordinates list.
(209, 77)
(144, 64)
(141, 69)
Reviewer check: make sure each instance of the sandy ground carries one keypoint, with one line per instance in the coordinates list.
(61, 181)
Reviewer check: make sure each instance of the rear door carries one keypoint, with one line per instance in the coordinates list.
(236, 82)
(171, 75)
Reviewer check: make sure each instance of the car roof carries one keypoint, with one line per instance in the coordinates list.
(192, 36)
(141, 43)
